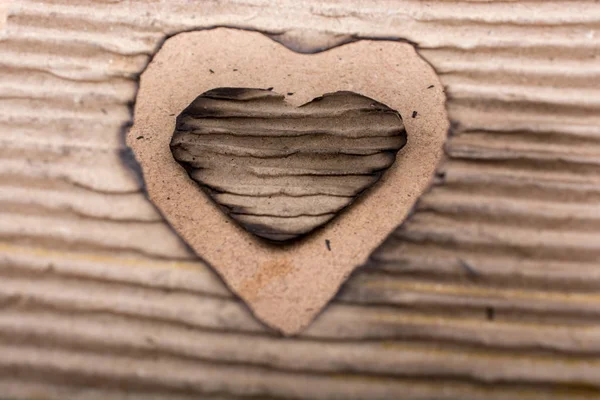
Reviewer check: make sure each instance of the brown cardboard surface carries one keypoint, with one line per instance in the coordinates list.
(286, 286)
(488, 290)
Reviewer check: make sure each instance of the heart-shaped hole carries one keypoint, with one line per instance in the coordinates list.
(282, 171)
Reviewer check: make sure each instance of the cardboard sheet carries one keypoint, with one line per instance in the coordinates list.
(286, 286)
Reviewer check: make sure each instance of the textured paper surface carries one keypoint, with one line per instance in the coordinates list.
(488, 290)
(286, 286)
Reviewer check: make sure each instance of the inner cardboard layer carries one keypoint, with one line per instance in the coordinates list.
(280, 171)
(286, 285)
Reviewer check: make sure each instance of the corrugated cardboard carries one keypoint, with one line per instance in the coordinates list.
(488, 290)
(286, 285)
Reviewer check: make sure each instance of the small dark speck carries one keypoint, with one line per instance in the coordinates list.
(290, 93)
(271, 88)
(139, 137)
(211, 71)
(454, 125)
(414, 114)
(168, 198)
(235, 69)
(430, 86)
(468, 268)
(103, 111)
(328, 244)
(490, 313)
(171, 115)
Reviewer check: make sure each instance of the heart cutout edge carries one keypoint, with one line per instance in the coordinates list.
(321, 158)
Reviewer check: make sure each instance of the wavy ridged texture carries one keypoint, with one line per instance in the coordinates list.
(490, 289)
(282, 171)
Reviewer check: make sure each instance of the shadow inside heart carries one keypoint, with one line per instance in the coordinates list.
(282, 171)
